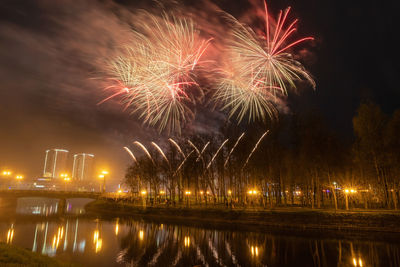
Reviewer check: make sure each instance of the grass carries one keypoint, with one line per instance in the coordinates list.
(12, 256)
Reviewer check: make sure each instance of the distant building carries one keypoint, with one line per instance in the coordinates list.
(55, 163)
(82, 167)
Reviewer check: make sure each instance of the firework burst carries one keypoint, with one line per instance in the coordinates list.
(259, 68)
(155, 75)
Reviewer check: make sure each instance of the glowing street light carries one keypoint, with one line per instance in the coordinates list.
(102, 176)
(143, 193)
(187, 193)
(7, 173)
(348, 191)
(252, 192)
(19, 178)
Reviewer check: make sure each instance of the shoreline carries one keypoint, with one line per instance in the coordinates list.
(287, 220)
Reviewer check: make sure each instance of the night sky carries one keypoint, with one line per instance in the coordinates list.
(51, 53)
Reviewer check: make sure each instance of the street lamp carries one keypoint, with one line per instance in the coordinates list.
(187, 193)
(102, 176)
(348, 191)
(143, 193)
(66, 181)
(19, 178)
(7, 173)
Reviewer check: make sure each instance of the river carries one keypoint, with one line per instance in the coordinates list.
(134, 242)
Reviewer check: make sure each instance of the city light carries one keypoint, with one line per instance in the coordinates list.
(201, 192)
(350, 190)
(117, 227)
(187, 241)
(19, 177)
(10, 235)
(98, 242)
(143, 192)
(7, 173)
(229, 192)
(141, 235)
(254, 251)
(162, 192)
(358, 263)
(188, 193)
(252, 192)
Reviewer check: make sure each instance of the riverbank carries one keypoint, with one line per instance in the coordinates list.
(11, 256)
(284, 219)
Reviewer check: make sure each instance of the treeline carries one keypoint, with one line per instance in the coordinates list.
(299, 162)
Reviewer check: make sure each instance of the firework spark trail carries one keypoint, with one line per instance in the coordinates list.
(233, 148)
(157, 71)
(161, 152)
(258, 69)
(199, 153)
(216, 153)
(130, 153)
(202, 152)
(145, 150)
(177, 146)
(254, 149)
(195, 148)
(183, 162)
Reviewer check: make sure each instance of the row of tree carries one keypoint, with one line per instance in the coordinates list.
(300, 161)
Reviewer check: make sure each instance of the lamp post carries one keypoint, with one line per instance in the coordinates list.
(102, 176)
(143, 193)
(252, 192)
(187, 193)
(19, 178)
(6, 174)
(66, 179)
(346, 193)
(230, 198)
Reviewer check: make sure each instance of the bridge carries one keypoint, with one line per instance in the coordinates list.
(49, 194)
(12, 196)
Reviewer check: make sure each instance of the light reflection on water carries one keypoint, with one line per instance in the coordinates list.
(49, 206)
(136, 243)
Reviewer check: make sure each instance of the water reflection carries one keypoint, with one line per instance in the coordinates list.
(10, 234)
(137, 243)
(50, 206)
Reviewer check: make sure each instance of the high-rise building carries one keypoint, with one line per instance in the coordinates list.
(82, 167)
(55, 163)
